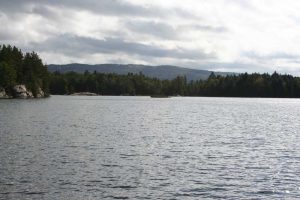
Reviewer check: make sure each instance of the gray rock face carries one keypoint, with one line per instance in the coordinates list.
(20, 91)
(3, 94)
(40, 93)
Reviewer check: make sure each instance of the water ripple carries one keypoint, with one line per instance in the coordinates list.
(139, 148)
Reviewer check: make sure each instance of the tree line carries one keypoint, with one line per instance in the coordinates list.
(239, 85)
(19, 68)
(28, 69)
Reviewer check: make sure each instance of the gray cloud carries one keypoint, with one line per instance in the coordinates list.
(14, 5)
(7, 35)
(99, 7)
(77, 45)
(158, 29)
(166, 31)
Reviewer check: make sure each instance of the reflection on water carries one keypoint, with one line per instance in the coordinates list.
(141, 148)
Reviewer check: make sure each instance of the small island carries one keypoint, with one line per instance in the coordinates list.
(159, 96)
(84, 94)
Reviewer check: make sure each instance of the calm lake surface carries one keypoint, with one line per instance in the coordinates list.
(68, 147)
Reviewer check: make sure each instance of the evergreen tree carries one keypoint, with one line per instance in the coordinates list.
(8, 76)
(17, 68)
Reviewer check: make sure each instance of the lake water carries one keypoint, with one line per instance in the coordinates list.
(68, 147)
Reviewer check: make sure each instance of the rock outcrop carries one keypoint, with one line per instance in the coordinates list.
(3, 94)
(40, 93)
(20, 91)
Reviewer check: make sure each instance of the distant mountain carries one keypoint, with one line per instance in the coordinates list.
(161, 72)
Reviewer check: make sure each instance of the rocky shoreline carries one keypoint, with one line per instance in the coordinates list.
(21, 92)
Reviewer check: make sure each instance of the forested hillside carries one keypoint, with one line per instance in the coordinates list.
(161, 72)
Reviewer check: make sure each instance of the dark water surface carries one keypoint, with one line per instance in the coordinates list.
(68, 147)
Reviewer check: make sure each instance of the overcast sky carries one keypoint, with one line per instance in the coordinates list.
(221, 35)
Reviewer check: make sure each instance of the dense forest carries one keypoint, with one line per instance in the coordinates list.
(242, 85)
(26, 69)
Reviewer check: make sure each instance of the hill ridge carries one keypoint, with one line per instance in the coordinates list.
(157, 71)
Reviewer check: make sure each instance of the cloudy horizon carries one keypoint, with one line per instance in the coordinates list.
(220, 35)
